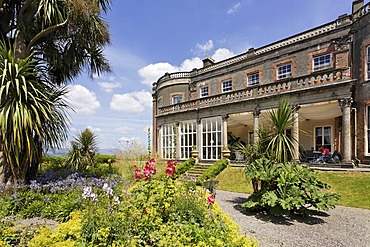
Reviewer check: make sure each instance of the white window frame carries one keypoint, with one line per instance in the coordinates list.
(204, 91)
(323, 135)
(254, 78)
(284, 71)
(321, 62)
(367, 131)
(227, 86)
(176, 99)
(368, 63)
(211, 138)
(168, 141)
(188, 138)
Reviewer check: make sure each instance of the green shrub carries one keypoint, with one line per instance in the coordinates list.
(213, 170)
(287, 188)
(104, 159)
(184, 167)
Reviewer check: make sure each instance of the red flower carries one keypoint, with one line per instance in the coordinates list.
(170, 171)
(211, 199)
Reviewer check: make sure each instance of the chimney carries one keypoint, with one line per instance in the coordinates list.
(356, 5)
(207, 61)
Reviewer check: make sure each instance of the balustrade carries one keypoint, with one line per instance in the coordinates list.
(314, 80)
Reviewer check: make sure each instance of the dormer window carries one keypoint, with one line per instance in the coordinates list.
(227, 86)
(322, 62)
(284, 71)
(176, 99)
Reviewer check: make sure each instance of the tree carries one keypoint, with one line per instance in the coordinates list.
(55, 40)
(31, 115)
(84, 146)
(280, 142)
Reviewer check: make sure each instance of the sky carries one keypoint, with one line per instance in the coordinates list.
(150, 38)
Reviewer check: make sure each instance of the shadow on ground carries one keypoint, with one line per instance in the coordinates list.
(315, 218)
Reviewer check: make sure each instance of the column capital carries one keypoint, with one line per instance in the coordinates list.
(346, 102)
(199, 120)
(225, 117)
(177, 124)
(256, 112)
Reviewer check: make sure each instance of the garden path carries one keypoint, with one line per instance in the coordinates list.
(342, 226)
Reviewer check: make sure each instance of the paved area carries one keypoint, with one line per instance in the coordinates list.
(342, 226)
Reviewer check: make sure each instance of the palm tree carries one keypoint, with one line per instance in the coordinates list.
(84, 146)
(281, 144)
(31, 115)
(50, 42)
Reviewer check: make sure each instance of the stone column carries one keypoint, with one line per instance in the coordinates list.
(346, 129)
(158, 141)
(295, 133)
(256, 116)
(224, 130)
(199, 139)
(177, 140)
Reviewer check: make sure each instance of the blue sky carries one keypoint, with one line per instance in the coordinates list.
(150, 38)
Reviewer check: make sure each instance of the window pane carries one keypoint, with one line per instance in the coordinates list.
(226, 86)
(284, 71)
(322, 62)
(368, 62)
(204, 91)
(253, 79)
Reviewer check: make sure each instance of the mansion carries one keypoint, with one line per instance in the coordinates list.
(324, 71)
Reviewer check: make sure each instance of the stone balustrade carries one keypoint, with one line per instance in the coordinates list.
(362, 11)
(317, 79)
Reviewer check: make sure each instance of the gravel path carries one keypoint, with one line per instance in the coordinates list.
(342, 226)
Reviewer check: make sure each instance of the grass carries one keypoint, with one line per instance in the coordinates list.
(233, 179)
(353, 187)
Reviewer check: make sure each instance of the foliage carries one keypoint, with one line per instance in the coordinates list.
(32, 114)
(156, 212)
(281, 144)
(53, 162)
(287, 188)
(183, 167)
(83, 149)
(43, 46)
(213, 170)
(104, 158)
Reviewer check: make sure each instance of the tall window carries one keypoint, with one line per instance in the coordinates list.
(204, 91)
(227, 86)
(322, 62)
(160, 103)
(368, 130)
(176, 99)
(211, 138)
(250, 137)
(323, 137)
(168, 141)
(188, 138)
(254, 79)
(284, 71)
(368, 63)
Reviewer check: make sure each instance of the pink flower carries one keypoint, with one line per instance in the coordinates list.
(211, 199)
(170, 171)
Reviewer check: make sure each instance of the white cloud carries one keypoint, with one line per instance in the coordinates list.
(234, 8)
(129, 140)
(94, 129)
(82, 100)
(133, 102)
(109, 86)
(152, 72)
(222, 54)
(206, 47)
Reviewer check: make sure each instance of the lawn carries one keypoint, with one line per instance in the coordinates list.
(353, 187)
